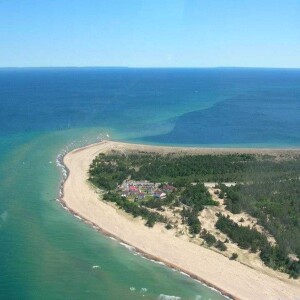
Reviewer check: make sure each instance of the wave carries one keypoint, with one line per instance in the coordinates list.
(185, 274)
(143, 290)
(63, 168)
(168, 297)
(130, 248)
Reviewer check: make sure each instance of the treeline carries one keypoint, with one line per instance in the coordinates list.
(192, 168)
(214, 168)
(134, 209)
(197, 196)
(250, 238)
(245, 237)
(112, 169)
(276, 205)
(107, 172)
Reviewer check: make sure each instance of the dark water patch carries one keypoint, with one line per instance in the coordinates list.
(266, 118)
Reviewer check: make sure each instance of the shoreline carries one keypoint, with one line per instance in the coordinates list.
(66, 201)
(66, 172)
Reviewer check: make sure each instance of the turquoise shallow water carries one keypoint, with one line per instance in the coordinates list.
(46, 253)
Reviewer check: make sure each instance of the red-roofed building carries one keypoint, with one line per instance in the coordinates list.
(133, 189)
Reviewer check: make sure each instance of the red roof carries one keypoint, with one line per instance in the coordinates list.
(133, 188)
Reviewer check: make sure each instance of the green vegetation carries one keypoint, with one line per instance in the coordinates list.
(196, 196)
(276, 205)
(181, 169)
(134, 209)
(212, 241)
(220, 245)
(268, 189)
(168, 226)
(208, 238)
(109, 171)
(157, 203)
(190, 217)
(247, 238)
(234, 256)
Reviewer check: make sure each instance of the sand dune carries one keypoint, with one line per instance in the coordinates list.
(231, 277)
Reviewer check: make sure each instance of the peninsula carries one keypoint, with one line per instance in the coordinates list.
(201, 236)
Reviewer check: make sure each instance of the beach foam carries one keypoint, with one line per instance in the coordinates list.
(168, 297)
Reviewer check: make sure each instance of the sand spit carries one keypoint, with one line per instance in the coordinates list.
(230, 277)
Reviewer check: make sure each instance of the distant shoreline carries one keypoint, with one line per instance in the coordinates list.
(77, 196)
(134, 67)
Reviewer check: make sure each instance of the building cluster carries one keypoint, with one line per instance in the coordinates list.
(139, 189)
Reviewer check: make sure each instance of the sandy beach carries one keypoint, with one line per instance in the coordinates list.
(230, 277)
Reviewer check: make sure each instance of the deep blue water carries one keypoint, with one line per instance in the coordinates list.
(266, 118)
(191, 106)
(45, 252)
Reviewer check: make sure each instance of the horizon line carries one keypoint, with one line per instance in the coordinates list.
(157, 67)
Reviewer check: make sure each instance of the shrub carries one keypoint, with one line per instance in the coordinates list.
(208, 238)
(234, 256)
(168, 226)
(220, 245)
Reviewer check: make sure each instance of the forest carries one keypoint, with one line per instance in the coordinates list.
(268, 188)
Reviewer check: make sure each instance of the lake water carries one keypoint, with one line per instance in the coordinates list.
(46, 253)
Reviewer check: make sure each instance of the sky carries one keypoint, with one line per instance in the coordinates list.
(150, 33)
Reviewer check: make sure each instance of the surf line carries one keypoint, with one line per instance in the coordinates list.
(66, 172)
